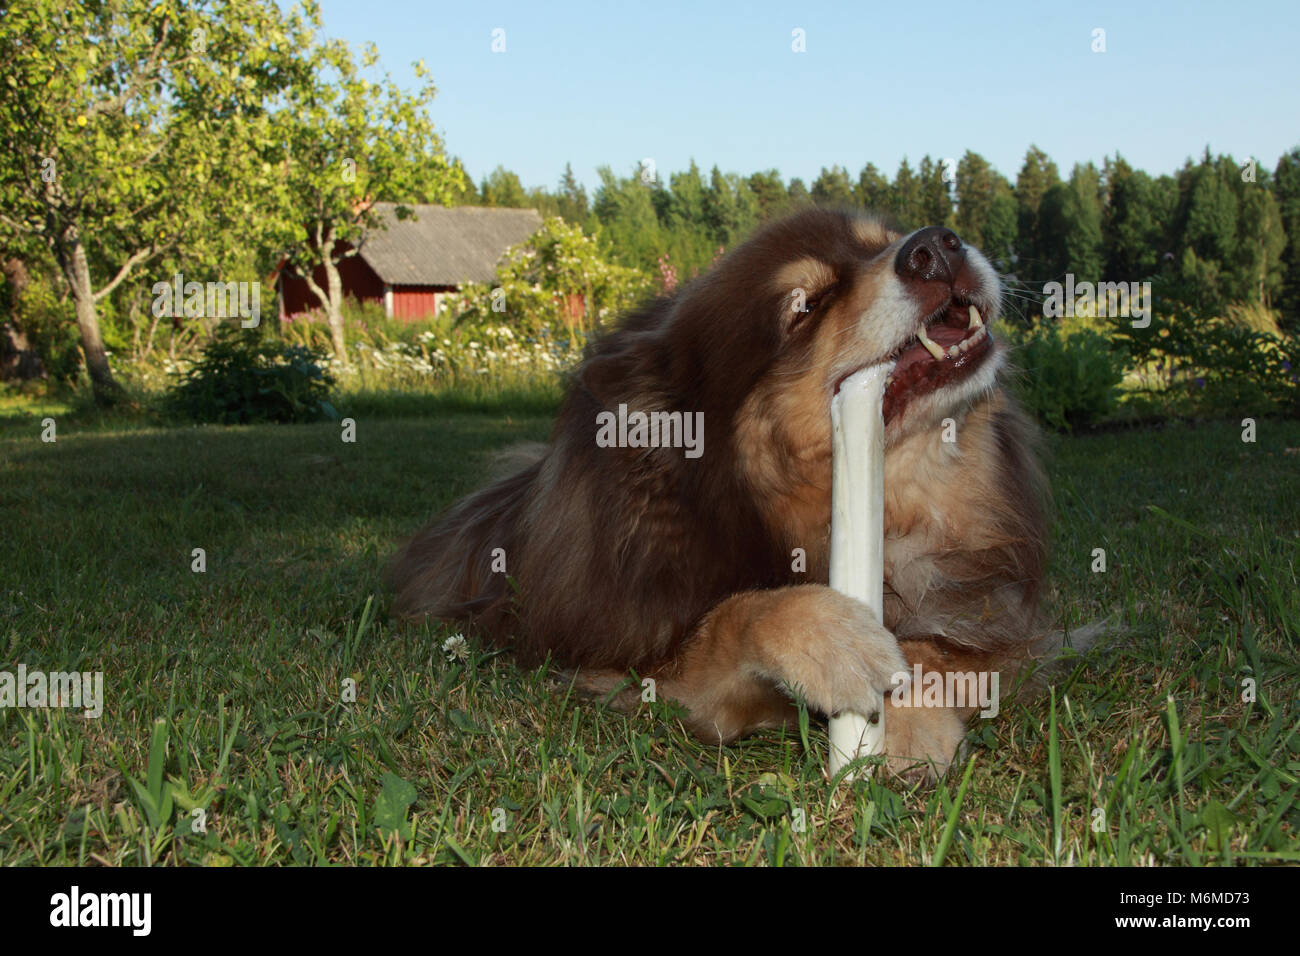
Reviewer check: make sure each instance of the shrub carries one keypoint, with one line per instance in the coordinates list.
(1193, 363)
(557, 278)
(1067, 381)
(242, 378)
(50, 327)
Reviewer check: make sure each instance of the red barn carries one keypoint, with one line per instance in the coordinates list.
(409, 265)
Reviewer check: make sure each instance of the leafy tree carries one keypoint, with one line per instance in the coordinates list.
(350, 142)
(132, 130)
(464, 192)
(1260, 242)
(797, 193)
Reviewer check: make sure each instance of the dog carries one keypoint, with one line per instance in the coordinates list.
(703, 565)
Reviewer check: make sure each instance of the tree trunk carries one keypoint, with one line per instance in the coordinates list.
(334, 303)
(77, 272)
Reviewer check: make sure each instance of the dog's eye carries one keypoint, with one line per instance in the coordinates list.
(810, 306)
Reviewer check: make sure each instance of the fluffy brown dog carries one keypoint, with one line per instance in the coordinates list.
(679, 561)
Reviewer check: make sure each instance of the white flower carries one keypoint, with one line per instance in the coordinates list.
(455, 647)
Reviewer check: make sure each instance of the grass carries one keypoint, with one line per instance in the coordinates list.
(228, 691)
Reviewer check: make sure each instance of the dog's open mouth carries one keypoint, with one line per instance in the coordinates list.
(948, 347)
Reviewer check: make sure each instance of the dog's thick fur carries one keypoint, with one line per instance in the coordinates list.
(682, 569)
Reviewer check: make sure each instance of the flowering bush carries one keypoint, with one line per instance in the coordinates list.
(557, 279)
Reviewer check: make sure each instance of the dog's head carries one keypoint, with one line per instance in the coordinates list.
(842, 292)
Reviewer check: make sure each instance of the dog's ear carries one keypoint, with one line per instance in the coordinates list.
(620, 368)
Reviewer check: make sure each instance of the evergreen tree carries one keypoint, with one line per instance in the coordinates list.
(1069, 226)
(1286, 190)
(907, 198)
(986, 209)
(571, 202)
(872, 192)
(1133, 222)
(1038, 174)
(769, 191)
(833, 188)
(503, 188)
(936, 194)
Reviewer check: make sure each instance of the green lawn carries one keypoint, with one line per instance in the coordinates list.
(244, 668)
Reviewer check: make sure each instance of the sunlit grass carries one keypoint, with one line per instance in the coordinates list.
(1152, 756)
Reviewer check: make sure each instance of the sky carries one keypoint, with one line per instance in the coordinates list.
(616, 83)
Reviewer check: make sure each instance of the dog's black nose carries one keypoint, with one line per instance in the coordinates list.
(933, 254)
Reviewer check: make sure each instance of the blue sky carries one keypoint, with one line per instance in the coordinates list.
(613, 83)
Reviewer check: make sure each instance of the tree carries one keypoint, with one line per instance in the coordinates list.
(986, 208)
(769, 190)
(1260, 243)
(1133, 223)
(1037, 175)
(1286, 189)
(833, 188)
(503, 188)
(349, 143)
(935, 194)
(464, 193)
(572, 199)
(127, 129)
(872, 192)
(624, 209)
(907, 198)
(1069, 226)
(686, 208)
(730, 209)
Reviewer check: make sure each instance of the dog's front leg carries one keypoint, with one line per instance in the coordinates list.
(827, 646)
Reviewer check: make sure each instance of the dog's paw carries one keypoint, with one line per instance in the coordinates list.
(921, 742)
(831, 649)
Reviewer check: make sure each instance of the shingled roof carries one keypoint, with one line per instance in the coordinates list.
(439, 245)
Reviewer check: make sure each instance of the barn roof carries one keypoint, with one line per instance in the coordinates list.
(441, 245)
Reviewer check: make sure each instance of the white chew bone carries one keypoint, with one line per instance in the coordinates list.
(858, 529)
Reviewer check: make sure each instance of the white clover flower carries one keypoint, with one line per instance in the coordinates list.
(456, 648)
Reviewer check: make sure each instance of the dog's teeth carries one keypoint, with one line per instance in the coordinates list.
(975, 320)
(934, 348)
(952, 351)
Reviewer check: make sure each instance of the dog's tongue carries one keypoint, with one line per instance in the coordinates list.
(918, 370)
